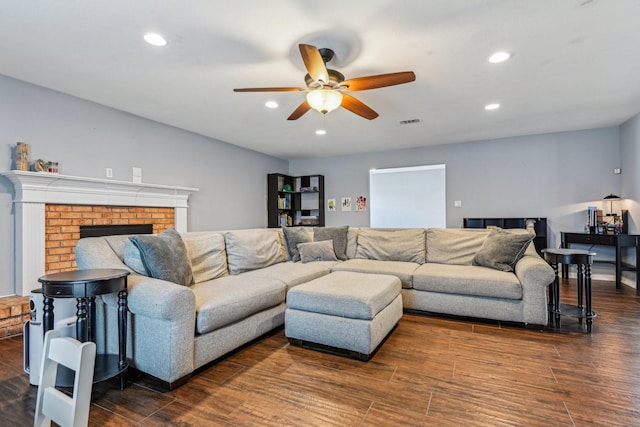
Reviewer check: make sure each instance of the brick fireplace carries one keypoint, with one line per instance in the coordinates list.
(49, 209)
(63, 223)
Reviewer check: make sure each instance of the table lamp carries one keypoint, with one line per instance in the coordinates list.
(611, 197)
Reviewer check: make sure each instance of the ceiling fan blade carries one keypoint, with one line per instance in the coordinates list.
(298, 112)
(357, 107)
(270, 89)
(314, 63)
(380, 80)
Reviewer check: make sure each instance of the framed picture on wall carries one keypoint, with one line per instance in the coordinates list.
(346, 203)
(361, 204)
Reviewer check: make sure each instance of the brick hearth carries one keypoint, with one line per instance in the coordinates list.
(14, 311)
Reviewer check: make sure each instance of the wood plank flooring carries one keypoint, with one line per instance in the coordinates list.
(432, 371)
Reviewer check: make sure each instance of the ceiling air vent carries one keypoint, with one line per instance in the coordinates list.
(409, 122)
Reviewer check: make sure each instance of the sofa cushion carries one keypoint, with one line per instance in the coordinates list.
(502, 249)
(294, 236)
(229, 299)
(293, 273)
(467, 280)
(346, 294)
(207, 255)
(352, 242)
(392, 245)
(402, 270)
(339, 237)
(317, 251)
(454, 245)
(165, 256)
(251, 249)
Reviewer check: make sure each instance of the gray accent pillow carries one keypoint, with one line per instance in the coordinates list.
(339, 237)
(133, 259)
(317, 251)
(502, 250)
(292, 237)
(165, 256)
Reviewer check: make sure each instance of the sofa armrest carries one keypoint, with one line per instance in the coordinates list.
(535, 275)
(534, 272)
(159, 299)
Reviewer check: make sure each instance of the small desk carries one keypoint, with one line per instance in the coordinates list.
(619, 241)
(85, 285)
(583, 259)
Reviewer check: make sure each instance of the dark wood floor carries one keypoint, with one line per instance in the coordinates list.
(431, 371)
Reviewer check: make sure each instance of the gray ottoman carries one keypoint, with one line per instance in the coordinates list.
(344, 312)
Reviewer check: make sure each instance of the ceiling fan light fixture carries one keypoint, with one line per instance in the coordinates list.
(324, 100)
(499, 57)
(155, 39)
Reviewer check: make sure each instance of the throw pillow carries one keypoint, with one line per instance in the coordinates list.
(317, 251)
(502, 250)
(165, 256)
(133, 259)
(339, 237)
(292, 237)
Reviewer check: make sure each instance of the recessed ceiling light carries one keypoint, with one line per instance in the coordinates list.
(271, 104)
(155, 39)
(493, 106)
(321, 132)
(499, 57)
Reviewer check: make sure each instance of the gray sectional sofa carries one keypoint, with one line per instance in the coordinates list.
(214, 291)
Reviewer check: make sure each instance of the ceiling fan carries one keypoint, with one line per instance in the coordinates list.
(326, 87)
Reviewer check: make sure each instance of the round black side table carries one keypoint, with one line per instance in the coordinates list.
(583, 260)
(85, 285)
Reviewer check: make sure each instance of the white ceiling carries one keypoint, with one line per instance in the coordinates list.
(575, 65)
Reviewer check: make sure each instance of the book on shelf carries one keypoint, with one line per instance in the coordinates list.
(284, 220)
(283, 203)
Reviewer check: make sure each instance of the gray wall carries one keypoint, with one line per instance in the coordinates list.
(551, 175)
(85, 138)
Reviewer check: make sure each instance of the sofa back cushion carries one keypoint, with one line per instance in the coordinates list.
(252, 249)
(392, 244)
(454, 245)
(207, 253)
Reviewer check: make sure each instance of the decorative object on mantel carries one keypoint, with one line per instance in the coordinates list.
(53, 167)
(22, 156)
(41, 166)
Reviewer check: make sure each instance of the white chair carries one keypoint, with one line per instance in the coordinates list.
(51, 403)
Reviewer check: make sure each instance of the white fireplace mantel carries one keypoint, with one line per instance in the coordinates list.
(35, 189)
